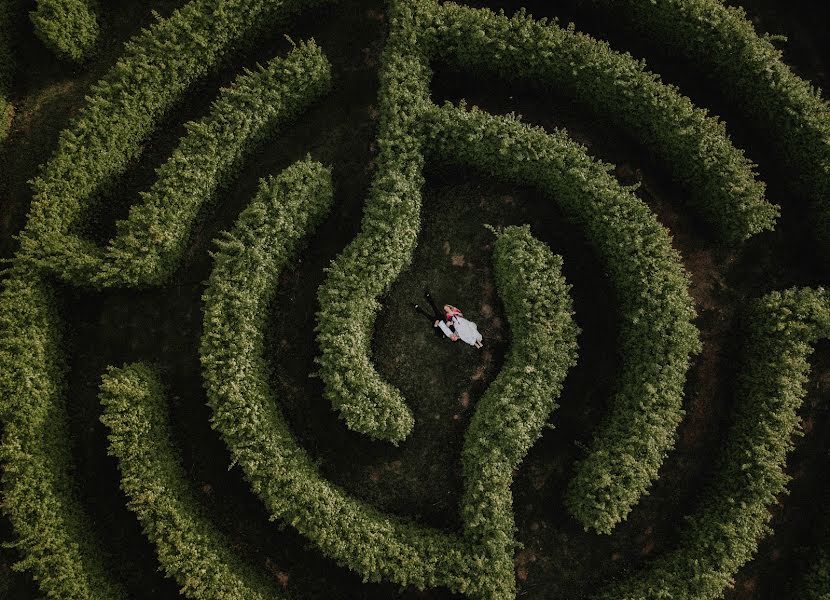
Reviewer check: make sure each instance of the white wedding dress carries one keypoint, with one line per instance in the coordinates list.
(466, 330)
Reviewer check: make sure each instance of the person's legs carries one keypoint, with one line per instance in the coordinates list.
(421, 311)
(438, 314)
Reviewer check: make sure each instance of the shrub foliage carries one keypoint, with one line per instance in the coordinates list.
(67, 27)
(723, 534)
(510, 416)
(157, 67)
(373, 260)
(190, 548)
(657, 336)
(39, 497)
(694, 146)
(722, 41)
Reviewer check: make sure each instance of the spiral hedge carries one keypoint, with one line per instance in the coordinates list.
(510, 416)
(721, 40)
(694, 147)
(723, 534)
(67, 27)
(7, 63)
(157, 67)
(373, 260)
(658, 339)
(378, 546)
(190, 548)
(657, 336)
(39, 496)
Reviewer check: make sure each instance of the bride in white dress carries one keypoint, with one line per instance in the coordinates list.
(464, 329)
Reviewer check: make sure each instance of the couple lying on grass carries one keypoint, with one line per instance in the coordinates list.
(452, 323)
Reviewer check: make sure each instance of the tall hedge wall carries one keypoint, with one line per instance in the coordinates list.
(721, 41)
(374, 259)
(694, 146)
(723, 533)
(54, 534)
(657, 336)
(510, 416)
(157, 67)
(190, 548)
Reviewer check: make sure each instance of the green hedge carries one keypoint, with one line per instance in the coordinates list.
(508, 419)
(694, 146)
(723, 534)
(54, 534)
(246, 413)
(816, 585)
(378, 254)
(67, 27)
(8, 26)
(510, 416)
(157, 68)
(721, 41)
(190, 548)
(150, 242)
(657, 336)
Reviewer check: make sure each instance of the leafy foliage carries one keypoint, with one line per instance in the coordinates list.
(657, 336)
(816, 585)
(511, 415)
(694, 146)
(721, 40)
(190, 548)
(247, 415)
(157, 67)
(67, 27)
(54, 534)
(8, 11)
(151, 240)
(373, 260)
(723, 534)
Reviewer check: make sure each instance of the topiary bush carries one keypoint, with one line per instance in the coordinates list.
(67, 27)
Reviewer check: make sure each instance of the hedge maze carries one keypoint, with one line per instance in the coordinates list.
(658, 336)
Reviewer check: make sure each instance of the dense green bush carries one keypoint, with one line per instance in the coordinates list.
(694, 146)
(190, 548)
(510, 416)
(150, 242)
(247, 415)
(67, 27)
(157, 67)
(723, 534)
(8, 10)
(378, 254)
(721, 41)
(54, 535)
(657, 336)
(816, 585)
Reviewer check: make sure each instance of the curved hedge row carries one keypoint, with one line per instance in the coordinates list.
(508, 419)
(694, 146)
(510, 416)
(190, 548)
(150, 242)
(53, 532)
(67, 27)
(373, 260)
(8, 9)
(247, 415)
(657, 336)
(723, 534)
(721, 40)
(157, 67)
